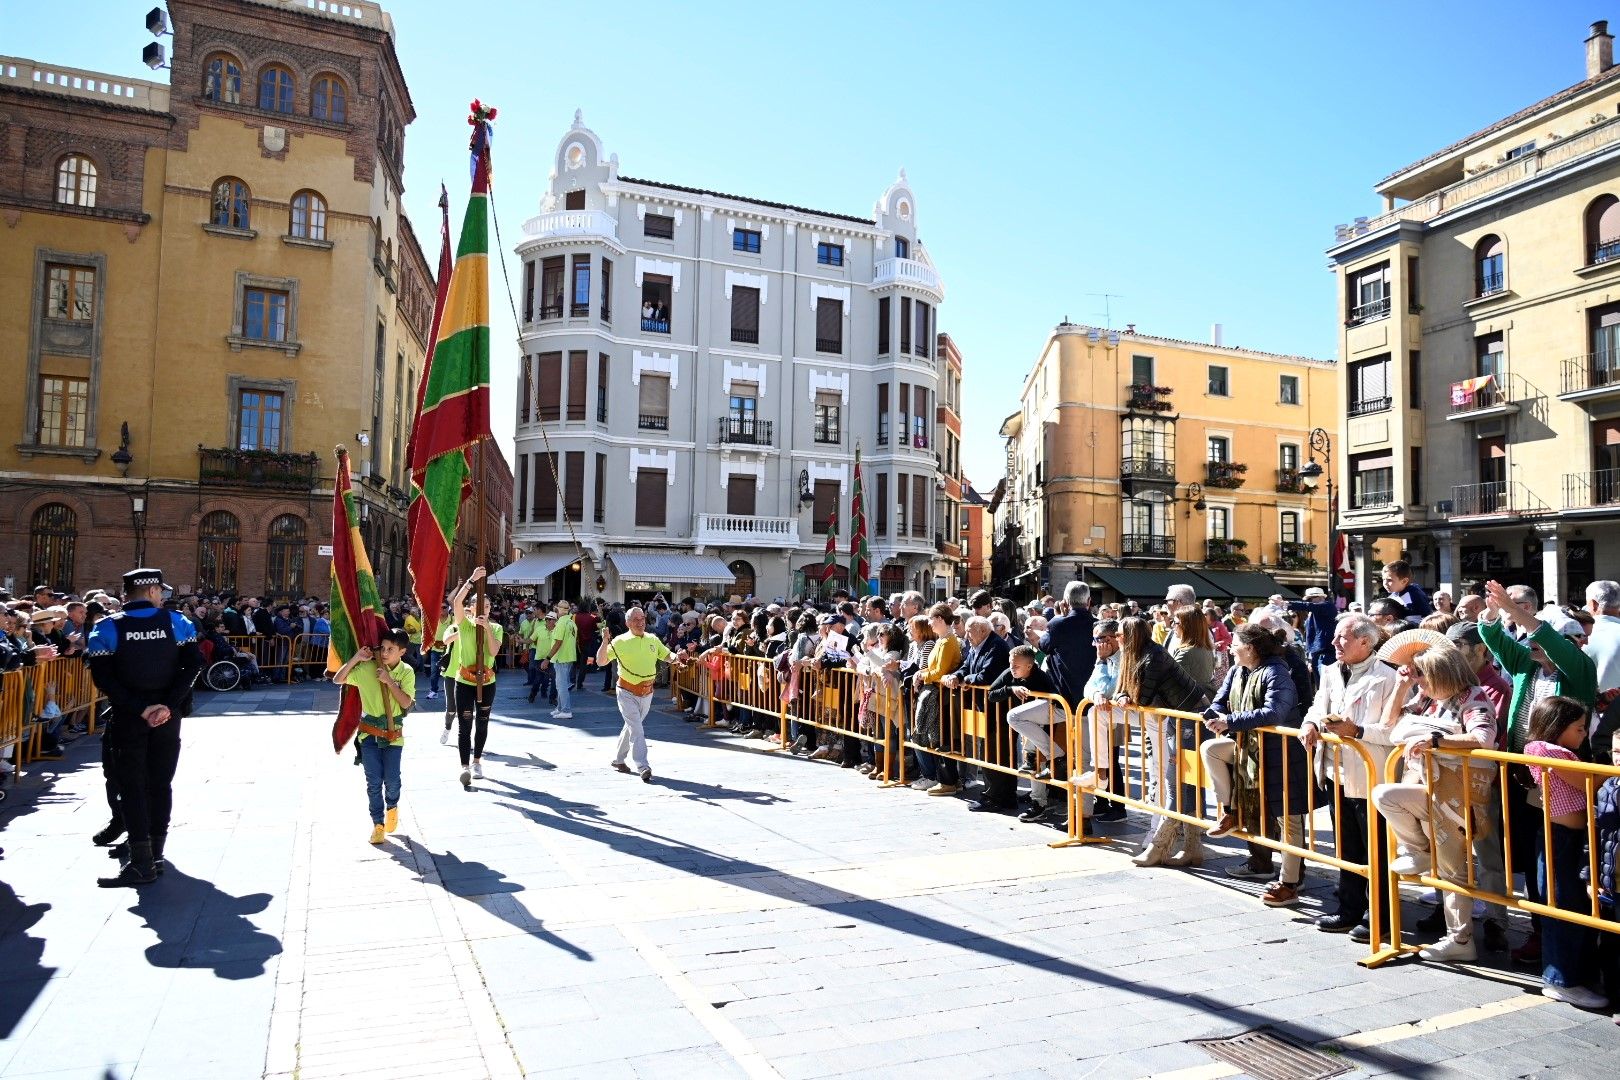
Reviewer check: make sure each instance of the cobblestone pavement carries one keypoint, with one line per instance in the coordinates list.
(744, 915)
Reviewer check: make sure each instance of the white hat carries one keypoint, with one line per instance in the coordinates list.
(1316, 592)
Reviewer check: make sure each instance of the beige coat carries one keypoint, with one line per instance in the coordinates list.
(1362, 702)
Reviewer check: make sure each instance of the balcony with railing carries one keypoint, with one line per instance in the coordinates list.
(1225, 552)
(1488, 396)
(1147, 546)
(1494, 498)
(651, 422)
(579, 310)
(1592, 377)
(1146, 398)
(574, 224)
(1224, 474)
(550, 311)
(739, 530)
(908, 272)
(829, 345)
(1292, 482)
(745, 335)
(654, 325)
(1295, 555)
(1147, 467)
(225, 467)
(1368, 405)
(743, 431)
(1602, 252)
(1592, 490)
(1489, 284)
(1371, 311)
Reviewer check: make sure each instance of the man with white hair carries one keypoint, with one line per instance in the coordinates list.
(1070, 655)
(1603, 646)
(1179, 596)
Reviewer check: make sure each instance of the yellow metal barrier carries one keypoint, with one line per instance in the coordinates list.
(23, 694)
(751, 685)
(846, 705)
(684, 683)
(1470, 795)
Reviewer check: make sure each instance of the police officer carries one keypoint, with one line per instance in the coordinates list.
(144, 660)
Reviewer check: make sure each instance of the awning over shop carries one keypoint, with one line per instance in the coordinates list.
(1143, 584)
(671, 567)
(531, 569)
(1242, 585)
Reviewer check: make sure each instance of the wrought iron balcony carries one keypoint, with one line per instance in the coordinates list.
(1225, 551)
(578, 310)
(551, 311)
(1145, 397)
(1143, 467)
(1369, 312)
(1490, 284)
(655, 326)
(1607, 251)
(1595, 375)
(1483, 399)
(1148, 546)
(831, 345)
(648, 422)
(1224, 474)
(1587, 490)
(747, 337)
(744, 431)
(1494, 498)
(1368, 406)
(1290, 481)
(225, 467)
(1294, 555)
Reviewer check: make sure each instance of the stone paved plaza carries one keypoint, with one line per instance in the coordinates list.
(744, 915)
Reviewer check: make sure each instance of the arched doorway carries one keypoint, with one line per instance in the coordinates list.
(742, 573)
(219, 542)
(53, 533)
(284, 565)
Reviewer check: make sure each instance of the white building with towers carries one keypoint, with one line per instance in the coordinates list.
(698, 372)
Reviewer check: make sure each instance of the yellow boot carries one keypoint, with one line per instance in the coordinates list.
(391, 819)
(376, 834)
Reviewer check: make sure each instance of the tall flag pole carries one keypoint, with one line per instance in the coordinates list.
(357, 620)
(829, 568)
(454, 414)
(860, 565)
(420, 510)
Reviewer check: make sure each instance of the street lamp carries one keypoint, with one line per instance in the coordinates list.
(1321, 464)
(137, 506)
(1195, 499)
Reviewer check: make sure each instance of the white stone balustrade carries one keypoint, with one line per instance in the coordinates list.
(910, 272)
(587, 223)
(739, 530)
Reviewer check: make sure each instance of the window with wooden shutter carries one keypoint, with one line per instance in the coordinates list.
(654, 408)
(545, 487)
(600, 488)
(826, 503)
(525, 388)
(551, 288)
(919, 417)
(574, 200)
(604, 365)
(919, 505)
(902, 503)
(523, 487)
(661, 226)
(883, 414)
(607, 290)
(921, 348)
(528, 291)
(745, 314)
(574, 484)
(883, 325)
(881, 517)
(652, 493)
(740, 493)
(576, 385)
(549, 379)
(905, 324)
(829, 325)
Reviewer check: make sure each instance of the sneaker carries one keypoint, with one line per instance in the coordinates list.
(1529, 954)
(1578, 996)
(391, 819)
(1361, 934)
(432, 694)
(444, 737)
(1280, 894)
(1337, 923)
(621, 767)
(562, 716)
(1247, 871)
(466, 779)
(376, 834)
(922, 783)
(478, 768)
(944, 789)
(799, 742)
(646, 776)
(1450, 950)
(1411, 864)
(1225, 826)
(1035, 813)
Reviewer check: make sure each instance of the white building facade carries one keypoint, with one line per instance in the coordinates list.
(698, 372)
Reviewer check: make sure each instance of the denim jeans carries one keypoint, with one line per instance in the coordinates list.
(381, 763)
(1567, 949)
(435, 666)
(565, 686)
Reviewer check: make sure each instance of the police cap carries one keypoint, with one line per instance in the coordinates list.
(144, 578)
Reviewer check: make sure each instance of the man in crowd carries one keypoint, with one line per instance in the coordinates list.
(1071, 653)
(1320, 616)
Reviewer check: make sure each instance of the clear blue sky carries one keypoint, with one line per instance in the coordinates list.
(1191, 158)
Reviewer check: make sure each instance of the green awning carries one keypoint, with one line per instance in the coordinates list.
(1135, 584)
(1241, 585)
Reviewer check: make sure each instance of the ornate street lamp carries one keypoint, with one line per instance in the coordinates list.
(1321, 464)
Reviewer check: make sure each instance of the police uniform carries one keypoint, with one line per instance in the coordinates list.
(143, 656)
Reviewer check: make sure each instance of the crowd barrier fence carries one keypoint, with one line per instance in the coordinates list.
(23, 694)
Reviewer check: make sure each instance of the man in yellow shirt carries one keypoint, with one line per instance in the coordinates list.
(413, 630)
(638, 654)
(538, 633)
(564, 653)
(387, 686)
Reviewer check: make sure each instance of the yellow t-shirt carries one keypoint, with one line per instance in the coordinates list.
(637, 656)
(568, 634)
(462, 648)
(413, 629)
(538, 637)
(374, 700)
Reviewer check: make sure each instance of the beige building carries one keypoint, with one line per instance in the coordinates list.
(1138, 460)
(1481, 348)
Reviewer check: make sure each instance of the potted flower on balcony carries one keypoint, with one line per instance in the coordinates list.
(1225, 474)
(1226, 554)
(1297, 556)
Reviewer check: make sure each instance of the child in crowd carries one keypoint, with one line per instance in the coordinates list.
(1557, 729)
(387, 686)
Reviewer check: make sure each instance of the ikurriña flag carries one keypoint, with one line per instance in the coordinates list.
(453, 414)
(356, 614)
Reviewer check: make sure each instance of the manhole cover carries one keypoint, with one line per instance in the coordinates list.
(1266, 1055)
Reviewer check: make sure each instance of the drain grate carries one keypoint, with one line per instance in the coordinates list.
(1266, 1055)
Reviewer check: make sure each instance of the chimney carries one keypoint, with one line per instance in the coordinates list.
(1599, 49)
(1215, 335)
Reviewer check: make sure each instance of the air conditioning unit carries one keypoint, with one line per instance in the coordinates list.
(1491, 429)
(1443, 507)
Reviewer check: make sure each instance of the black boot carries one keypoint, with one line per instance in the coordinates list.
(137, 871)
(157, 851)
(110, 834)
(119, 851)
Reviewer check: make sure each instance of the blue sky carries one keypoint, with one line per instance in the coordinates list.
(1190, 158)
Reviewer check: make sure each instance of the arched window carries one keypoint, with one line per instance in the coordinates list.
(219, 541)
(222, 79)
(743, 575)
(308, 216)
(1490, 265)
(76, 181)
(52, 534)
(231, 204)
(276, 89)
(1603, 229)
(284, 574)
(328, 100)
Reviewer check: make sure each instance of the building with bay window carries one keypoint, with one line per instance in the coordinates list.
(698, 372)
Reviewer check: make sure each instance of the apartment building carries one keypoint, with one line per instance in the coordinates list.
(208, 284)
(948, 560)
(1481, 348)
(1136, 461)
(699, 371)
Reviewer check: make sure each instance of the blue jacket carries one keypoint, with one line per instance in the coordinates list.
(984, 663)
(1607, 818)
(1070, 653)
(1320, 618)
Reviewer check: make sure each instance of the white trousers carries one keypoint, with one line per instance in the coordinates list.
(1033, 720)
(633, 739)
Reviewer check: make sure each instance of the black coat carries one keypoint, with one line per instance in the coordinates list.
(1070, 653)
(984, 663)
(1281, 706)
(1161, 684)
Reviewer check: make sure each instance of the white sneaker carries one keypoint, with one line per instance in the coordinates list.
(478, 768)
(444, 737)
(1449, 950)
(1578, 996)
(432, 694)
(1411, 864)
(465, 778)
(562, 716)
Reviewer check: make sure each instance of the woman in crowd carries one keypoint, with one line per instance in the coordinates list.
(944, 658)
(808, 633)
(921, 640)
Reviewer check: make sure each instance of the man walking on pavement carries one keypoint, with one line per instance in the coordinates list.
(638, 654)
(564, 652)
(144, 660)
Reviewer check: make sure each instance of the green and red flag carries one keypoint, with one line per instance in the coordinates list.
(860, 559)
(356, 615)
(829, 569)
(453, 409)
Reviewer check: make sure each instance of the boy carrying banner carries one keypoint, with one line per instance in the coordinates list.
(387, 686)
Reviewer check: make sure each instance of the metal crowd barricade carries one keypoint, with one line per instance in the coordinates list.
(1150, 786)
(751, 686)
(308, 656)
(272, 654)
(13, 715)
(23, 694)
(1583, 776)
(845, 705)
(684, 682)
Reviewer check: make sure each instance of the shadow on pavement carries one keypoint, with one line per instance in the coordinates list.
(200, 926)
(22, 976)
(709, 793)
(527, 761)
(474, 879)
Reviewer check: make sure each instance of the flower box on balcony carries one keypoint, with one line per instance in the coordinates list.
(1226, 553)
(1224, 474)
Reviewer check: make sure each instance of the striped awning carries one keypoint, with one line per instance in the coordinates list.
(532, 569)
(671, 567)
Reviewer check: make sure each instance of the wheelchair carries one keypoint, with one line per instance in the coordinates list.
(223, 675)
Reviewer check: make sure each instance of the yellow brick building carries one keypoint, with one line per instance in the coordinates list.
(1138, 460)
